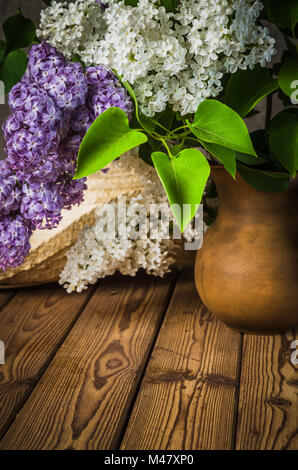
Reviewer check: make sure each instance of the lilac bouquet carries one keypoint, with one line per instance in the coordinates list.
(186, 72)
(53, 106)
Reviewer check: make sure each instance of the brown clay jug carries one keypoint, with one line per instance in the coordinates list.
(246, 273)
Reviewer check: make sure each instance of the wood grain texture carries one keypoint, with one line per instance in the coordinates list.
(268, 400)
(188, 395)
(83, 398)
(5, 297)
(32, 326)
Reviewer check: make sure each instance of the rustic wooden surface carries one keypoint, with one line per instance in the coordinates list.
(139, 363)
(32, 326)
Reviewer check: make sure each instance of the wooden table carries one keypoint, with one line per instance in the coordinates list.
(139, 363)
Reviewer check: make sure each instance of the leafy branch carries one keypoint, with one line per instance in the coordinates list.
(19, 32)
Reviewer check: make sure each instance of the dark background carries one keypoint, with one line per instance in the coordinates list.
(31, 9)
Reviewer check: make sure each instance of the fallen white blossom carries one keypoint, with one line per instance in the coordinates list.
(99, 253)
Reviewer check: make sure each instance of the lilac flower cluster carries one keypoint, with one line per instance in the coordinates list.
(104, 92)
(53, 106)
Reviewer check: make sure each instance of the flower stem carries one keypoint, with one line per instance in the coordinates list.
(167, 147)
(178, 129)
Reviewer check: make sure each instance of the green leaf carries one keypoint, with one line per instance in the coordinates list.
(264, 13)
(288, 79)
(76, 58)
(184, 178)
(132, 3)
(260, 140)
(19, 32)
(226, 156)
(2, 51)
(170, 5)
(107, 138)
(146, 150)
(283, 140)
(264, 181)
(246, 88)
(13, 69)
(165, 120)
(177, 149)
(217, 123)
(250, 160)
(284, 14)
(280, 13)
(294, 16)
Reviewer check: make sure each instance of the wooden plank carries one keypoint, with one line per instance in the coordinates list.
(188, 396)
(268, 400)
(83, 398)
(32, 326)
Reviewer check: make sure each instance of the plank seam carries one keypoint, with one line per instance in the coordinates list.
(147, 360)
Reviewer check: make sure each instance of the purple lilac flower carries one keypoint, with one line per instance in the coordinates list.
(73, 192)
(44, 63)
(103, 6)
(105, 91)
(18, 96)
(53, 106)
(14, 241)
(10, 194)
(41, 205)
(82, 119)
(63, 81)
(5, 169)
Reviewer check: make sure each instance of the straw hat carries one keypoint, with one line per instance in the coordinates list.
(49, 247)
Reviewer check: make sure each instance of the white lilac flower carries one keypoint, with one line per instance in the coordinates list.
(99, 253)
(169, 58)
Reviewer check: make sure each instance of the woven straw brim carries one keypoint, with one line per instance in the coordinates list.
(49, 247)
